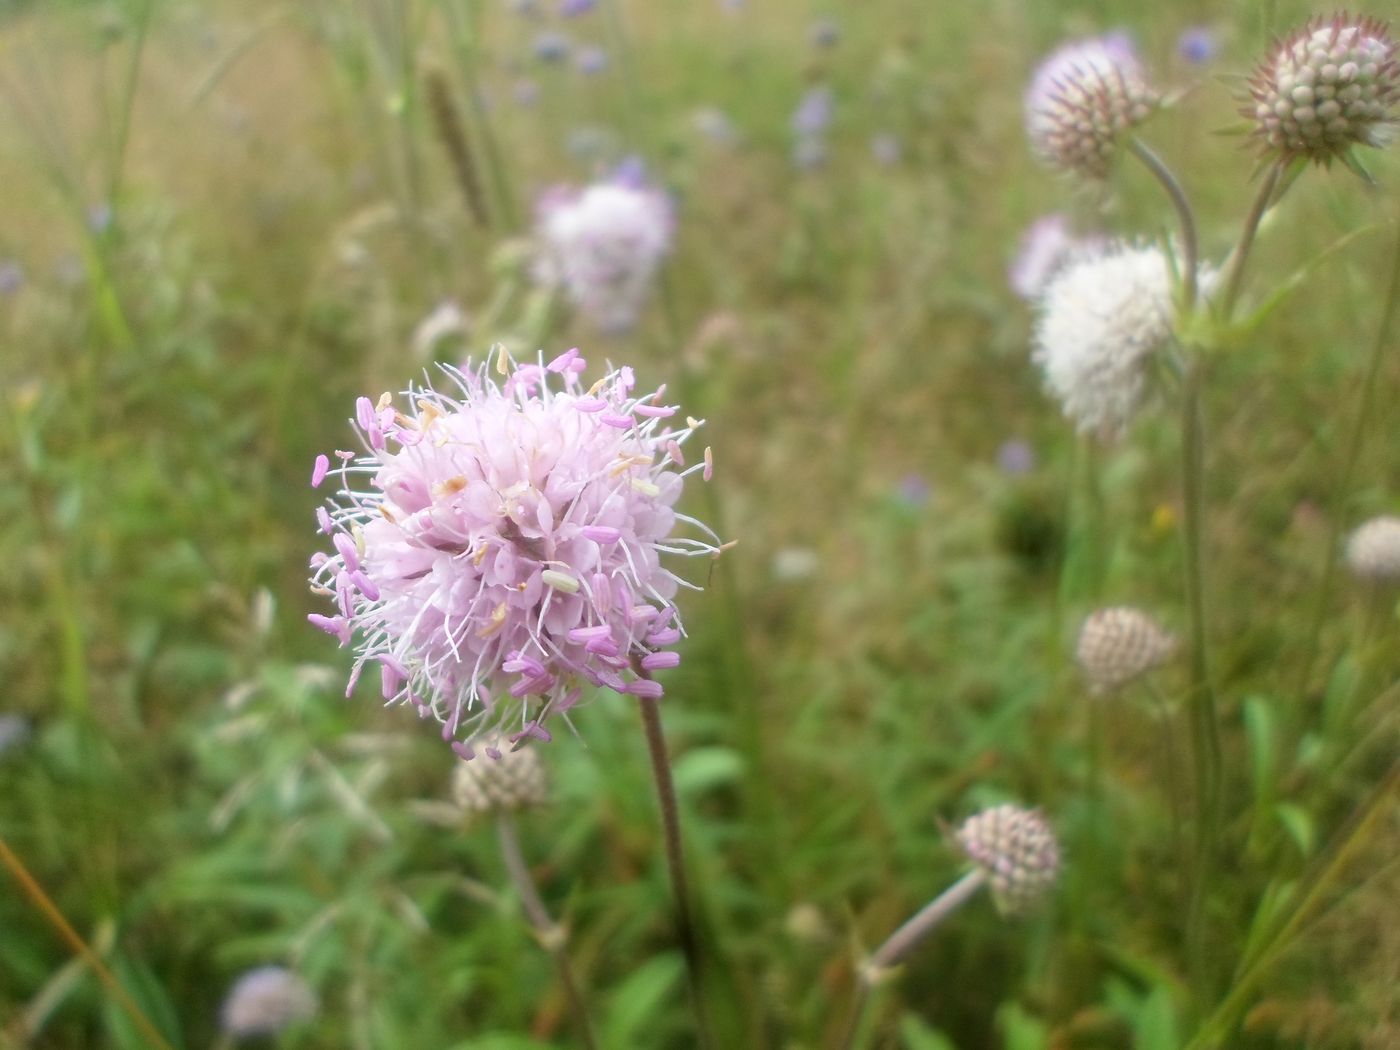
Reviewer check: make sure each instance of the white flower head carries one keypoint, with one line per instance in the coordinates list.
(1102, 318)
(1373, 550)
(603, 245)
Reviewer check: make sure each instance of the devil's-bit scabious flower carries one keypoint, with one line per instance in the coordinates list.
(1046, 246)
(500, 548)
(1102, 317)
(1327, 87)
(265, 1001)
(603, 245)
(1119, 645)
(1082, 99)
(1197, 45)
(1373, 550)
(505, 777)
(1016, 850)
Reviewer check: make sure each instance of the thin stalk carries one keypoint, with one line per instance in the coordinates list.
(1239, 257)
(675, 865)
(1205, 729)
(1359, 425)
(1189, 251)
(49, 910)
(551, 935)
(900, 943)
(1372, 812)
(1164, 713)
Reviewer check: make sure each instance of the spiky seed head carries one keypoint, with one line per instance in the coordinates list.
(1017, 851)
(1120, 644)
(503, 777)
(265, 1001)
(1373, 550)
(1330, 85)
(1082, 99)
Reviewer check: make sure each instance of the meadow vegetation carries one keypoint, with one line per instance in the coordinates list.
(223, 223)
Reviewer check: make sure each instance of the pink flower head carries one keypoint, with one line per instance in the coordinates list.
(603, 245)
(497, 550)
(1047, 245)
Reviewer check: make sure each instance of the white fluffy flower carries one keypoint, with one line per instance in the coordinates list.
(1373, 550)
(1101, 319)
(603, 245)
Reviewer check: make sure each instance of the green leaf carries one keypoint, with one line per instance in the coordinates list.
(706, 768)
(915, 1035)
(639, 999)
(1261, 730)
(141, 983)
(1021, 1030)
(1299, 825)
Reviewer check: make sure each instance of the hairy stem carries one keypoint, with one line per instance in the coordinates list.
(1189, 251)
(1205, 729)
(551, 935)
(675, 865)
(1239, 257)
(900, 943)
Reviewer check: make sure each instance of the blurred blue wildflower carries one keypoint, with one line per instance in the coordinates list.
(1016, 457)
(885, 147)
(11, 277)
(813, 113)
(551, 46)
(591, 60)
(825, 32)
(1197, 45)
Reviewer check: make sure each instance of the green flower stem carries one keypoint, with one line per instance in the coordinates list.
(1190, 252)
(1373, 812)
(675, 866)
(899, 944)
(1360, 424)
(551, 935)
(1205, 728)
(1239, 257)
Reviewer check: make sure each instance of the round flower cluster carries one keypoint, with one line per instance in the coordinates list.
(497, 550)
(1373, 551)
(1330, 85)
(1082, 99)
(506, 778)
(1016, 850)
(265, 1001)
(1102, 317)
(1118, 645)
(603, 245)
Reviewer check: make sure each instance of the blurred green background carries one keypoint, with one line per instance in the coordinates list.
(222, 222)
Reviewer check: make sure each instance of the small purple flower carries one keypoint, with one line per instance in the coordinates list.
(590, 60)
(1046, 246)
(1016, 457)
(813, 113)
(1197, 45)
(525, 92)
(714, 126)
(11, 277)
(551, 47)
(825, 33)
(265, 1001)
(14, 731)
(574, 8)
(886, 149)
(913, 490)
